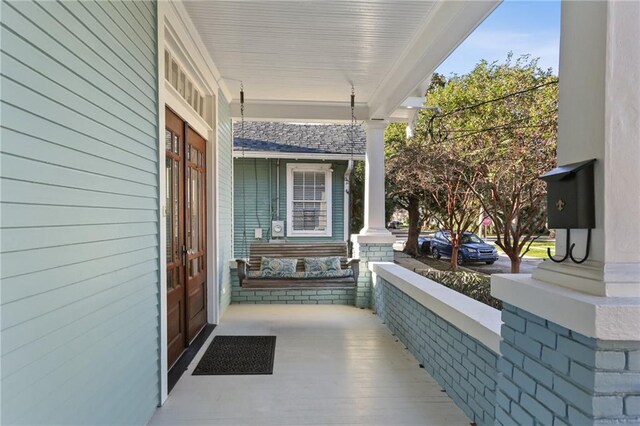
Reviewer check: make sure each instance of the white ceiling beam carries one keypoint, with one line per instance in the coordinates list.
(307, 112)
(448, 26)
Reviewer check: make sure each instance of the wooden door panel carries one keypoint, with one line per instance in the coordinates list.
(174, 223)
(186, 249)
(195, 232)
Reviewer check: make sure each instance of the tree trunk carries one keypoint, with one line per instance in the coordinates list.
(455, 246)
(411, 248)
(515, 264)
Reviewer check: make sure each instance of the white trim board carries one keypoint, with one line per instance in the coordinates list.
(606, 318)
(162, 243)
(297, 156)
(474, 318)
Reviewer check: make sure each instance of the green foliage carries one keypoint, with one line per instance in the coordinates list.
(494, 133)
(357, 197)
(476, 286)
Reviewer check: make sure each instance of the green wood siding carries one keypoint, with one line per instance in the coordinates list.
(79, 183)
(257, 208)
(225, 200)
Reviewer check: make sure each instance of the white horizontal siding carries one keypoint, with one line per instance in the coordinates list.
(79, 223)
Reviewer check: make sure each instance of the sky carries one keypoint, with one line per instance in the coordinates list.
(523, 27)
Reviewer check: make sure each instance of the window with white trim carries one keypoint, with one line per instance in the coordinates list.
(308, 200)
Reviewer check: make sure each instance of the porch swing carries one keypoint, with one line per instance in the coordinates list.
(305, 264)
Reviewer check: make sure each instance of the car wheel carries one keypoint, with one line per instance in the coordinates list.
(491, 262)
(435, 253)
(460, 260)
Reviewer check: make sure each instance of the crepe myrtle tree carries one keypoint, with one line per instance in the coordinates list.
(452, 201)
(403, 184)
(502, 120)
(405, 175)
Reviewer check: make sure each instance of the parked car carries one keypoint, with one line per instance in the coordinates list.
(394, 224)
(472, 249)
(424, 244)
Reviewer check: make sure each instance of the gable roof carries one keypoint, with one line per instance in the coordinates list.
(274, 139)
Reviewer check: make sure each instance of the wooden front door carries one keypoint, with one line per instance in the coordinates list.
(186, 234)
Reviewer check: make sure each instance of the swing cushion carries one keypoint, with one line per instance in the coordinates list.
(277, 266)
(320, 265)
(343, 273)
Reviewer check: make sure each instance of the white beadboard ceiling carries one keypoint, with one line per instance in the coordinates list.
(311, 51)
(306, 50)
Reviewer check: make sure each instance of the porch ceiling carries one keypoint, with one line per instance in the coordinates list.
(299, 59)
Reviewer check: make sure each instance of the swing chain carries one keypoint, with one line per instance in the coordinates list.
(244, 199)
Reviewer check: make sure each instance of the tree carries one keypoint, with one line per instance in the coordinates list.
(502, 120)
(403, 186)
(448, 175)
(404, 177)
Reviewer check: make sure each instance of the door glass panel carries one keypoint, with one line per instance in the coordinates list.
(169, 172)
(171, 273)
(195, 210)
(188, 92)
(174, 74)
(176, 144)
(181, 83)
(168, 140)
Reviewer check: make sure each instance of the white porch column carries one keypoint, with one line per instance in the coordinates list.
(374, 193)
(574, 329)
(374, 243)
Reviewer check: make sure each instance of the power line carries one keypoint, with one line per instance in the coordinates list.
(520, 92)
(489, 129)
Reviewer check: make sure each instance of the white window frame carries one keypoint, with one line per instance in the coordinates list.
(310, 167)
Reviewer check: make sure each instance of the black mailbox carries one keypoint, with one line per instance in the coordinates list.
(570, 196)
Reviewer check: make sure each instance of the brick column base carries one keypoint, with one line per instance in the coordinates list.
(369, 252)
(549, 374)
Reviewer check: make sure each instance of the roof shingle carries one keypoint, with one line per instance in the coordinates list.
(299, 138)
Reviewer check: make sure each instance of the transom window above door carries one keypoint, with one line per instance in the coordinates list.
(308, 200)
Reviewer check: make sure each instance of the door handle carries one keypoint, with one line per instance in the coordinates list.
(184, 255)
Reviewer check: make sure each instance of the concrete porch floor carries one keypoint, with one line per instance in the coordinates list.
(333, 365)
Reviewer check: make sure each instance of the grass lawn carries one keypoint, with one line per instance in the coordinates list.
(538, 249)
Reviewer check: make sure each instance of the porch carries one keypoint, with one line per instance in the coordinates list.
(333, 365)
(95, 261)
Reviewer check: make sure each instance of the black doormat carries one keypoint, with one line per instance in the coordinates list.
(228, 355)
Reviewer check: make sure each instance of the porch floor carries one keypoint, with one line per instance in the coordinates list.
(333, 365)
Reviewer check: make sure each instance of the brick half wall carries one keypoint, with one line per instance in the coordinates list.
(461, 364)
(316, 296)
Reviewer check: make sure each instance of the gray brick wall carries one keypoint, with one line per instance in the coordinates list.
(318, 296)
(463, 366)
(552, 375)
(369, 253)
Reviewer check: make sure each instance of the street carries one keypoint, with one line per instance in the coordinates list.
(502, 266)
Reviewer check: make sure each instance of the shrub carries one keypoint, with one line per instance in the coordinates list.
(476, 286)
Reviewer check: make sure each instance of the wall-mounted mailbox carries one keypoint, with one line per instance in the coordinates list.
(570, 196)
(570, 203)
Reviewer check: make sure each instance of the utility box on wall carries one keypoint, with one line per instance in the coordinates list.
(570, 196)
(277, 229)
